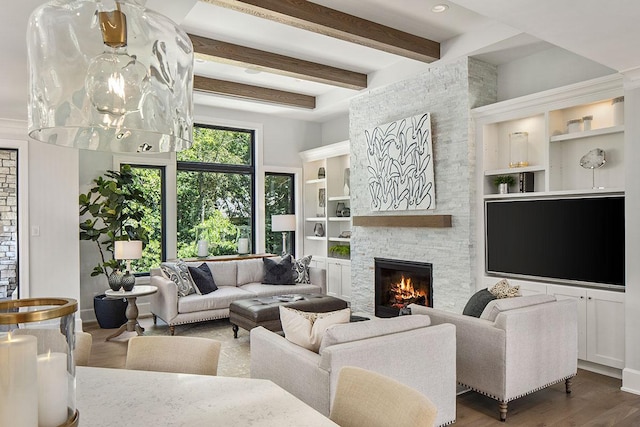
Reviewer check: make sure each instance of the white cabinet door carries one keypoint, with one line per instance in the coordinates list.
(339, 279)
(334, 278)
(605, 326)
(346, 282)
(580, 295)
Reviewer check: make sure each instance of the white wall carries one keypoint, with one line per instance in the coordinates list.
(336, 129)
(52, 200)
(544, 70)
(631, 372)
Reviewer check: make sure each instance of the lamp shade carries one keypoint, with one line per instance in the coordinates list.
(283, 223)
(127, 249)
(109, 75)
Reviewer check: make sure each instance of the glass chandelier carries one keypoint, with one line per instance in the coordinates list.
(109, 75)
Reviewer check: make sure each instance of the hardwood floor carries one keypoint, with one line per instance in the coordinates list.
(596, 400)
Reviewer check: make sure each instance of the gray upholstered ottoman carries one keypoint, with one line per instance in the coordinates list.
(249, 313)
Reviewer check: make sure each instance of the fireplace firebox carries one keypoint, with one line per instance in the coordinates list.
(399, 283)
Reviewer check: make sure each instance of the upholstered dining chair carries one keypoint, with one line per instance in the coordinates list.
(185, 355)
(366, 398)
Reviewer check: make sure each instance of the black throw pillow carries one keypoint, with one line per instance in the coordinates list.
(203, 278)
(478, 301)
(278, 273)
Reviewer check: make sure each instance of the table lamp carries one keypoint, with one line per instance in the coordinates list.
(283, 223)
(128, 250)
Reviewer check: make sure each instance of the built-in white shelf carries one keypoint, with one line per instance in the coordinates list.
(563, 193)
(340, 218)
(316, 218)
(315, 238)
(316, 181)
(587, 133)
(339, 198)
(507, 171)
(339, 239)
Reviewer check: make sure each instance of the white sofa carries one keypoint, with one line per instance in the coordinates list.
(517, 346)
(237, 279)
(405, 348)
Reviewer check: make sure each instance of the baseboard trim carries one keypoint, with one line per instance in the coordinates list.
(600, 369)
(630, 381)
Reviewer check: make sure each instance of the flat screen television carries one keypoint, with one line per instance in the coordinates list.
(566, 240)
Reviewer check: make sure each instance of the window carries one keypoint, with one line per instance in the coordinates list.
(279, 197)
(215, 191)
(152, 182)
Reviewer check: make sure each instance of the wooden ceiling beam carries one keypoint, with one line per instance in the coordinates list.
(330, 22)
(228, 53)
(254, 93)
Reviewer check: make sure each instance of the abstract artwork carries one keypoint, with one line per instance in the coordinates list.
(400, 165)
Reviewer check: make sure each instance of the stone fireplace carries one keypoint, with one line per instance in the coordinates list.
(448, 92)
(399, 283)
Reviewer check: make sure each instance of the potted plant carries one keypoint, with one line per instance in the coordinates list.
(115, 207)
(503, 182)
(340, 251)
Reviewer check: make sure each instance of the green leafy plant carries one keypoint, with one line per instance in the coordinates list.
(116, 206)
(504, 179)
(340, 251)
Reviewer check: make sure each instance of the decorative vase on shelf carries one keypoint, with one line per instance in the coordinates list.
(518, 149)
(321, 173)
(347, 178)
(318, 230)
(503, 188)
(203, 248)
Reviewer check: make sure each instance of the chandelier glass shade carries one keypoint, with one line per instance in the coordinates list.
(109, 75)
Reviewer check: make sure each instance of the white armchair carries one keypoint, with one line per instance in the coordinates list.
(518, 346)
(410, 351)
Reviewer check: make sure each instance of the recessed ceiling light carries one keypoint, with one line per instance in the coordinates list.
(439, 8)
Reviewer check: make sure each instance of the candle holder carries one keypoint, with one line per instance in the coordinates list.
(37, 339)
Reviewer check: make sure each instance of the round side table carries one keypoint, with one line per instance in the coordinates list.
(132, 324)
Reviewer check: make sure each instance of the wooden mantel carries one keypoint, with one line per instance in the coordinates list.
(435, 221)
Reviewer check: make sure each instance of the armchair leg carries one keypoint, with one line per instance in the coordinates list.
(155, 319)
(567, 384)
(172, 330)
(503, 411)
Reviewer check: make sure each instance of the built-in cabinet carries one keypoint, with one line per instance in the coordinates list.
(557, 142)
(327, 215)
(600, 323)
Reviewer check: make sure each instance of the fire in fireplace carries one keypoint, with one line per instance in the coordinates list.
(399, 283)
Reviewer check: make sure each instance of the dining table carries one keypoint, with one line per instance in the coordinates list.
(123, 397)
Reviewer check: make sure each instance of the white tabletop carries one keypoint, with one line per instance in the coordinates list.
(120, 397)
(137, 291)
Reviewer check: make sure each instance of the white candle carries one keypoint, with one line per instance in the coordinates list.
(243, 245)
(52, 389)
(18, 381)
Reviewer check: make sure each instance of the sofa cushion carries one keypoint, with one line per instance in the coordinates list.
(355, 331)
(503, 289)
(225, 273)
(477, 303)
(306, 329)
(178, 273)
(498, 306)
(250, 271)
(278, 272)
(219, 299)
(203, 279)
(301, 270)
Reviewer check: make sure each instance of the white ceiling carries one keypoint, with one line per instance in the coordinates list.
(496, 31)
